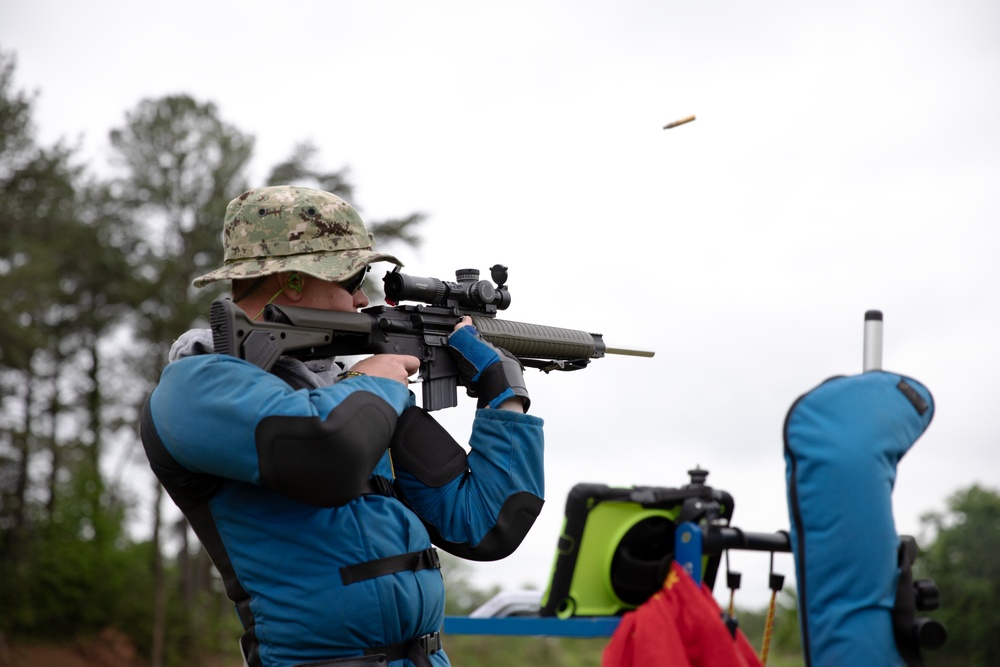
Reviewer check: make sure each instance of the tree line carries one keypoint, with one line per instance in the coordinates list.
(95, 284)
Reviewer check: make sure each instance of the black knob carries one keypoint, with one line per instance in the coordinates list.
(483, 292)
(929, 633)
(928, 597)
(698, 476)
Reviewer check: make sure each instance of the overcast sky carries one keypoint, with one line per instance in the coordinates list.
(845, 157)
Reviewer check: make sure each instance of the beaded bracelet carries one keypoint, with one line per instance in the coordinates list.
(350, 374)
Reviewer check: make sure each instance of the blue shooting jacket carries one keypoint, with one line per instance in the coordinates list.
(281, 558)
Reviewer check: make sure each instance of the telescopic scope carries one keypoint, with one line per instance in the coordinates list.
(468, 292)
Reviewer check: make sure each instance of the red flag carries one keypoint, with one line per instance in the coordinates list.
(679, 626)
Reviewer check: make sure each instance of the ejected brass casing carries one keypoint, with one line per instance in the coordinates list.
(678, 122)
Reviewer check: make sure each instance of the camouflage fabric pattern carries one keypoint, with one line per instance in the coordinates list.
(289, 228)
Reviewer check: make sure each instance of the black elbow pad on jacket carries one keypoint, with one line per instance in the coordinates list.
(514, 520)
(423, 448)
(325, 462)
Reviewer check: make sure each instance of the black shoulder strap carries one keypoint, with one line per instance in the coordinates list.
(414, 561)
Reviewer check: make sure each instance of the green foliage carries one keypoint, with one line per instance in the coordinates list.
(56, 302)
(299, 169)
(962, 561)
(36, 191)
(71, 585)
(785, 648)
(180, 165)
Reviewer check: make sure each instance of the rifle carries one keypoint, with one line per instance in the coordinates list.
(420, 330)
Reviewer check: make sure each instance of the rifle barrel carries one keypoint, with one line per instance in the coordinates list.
(538, 341)
(630, 352)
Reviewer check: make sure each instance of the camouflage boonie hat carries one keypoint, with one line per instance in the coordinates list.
(290, 228)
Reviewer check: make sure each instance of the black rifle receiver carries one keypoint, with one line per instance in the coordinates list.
(420, 330)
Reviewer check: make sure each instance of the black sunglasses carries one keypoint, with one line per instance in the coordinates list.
(357, 281)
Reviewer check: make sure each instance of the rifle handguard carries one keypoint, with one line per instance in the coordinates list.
(537, 341)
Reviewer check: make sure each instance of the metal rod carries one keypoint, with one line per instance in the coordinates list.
(872, 360)
(629, 352)
(718, 538)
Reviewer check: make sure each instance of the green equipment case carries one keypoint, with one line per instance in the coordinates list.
(617, 544)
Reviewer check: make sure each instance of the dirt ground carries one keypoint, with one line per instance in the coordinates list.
(110, 649)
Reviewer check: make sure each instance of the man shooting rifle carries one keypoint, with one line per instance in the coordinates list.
(323, 542)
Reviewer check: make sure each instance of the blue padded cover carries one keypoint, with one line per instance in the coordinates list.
(843, 441)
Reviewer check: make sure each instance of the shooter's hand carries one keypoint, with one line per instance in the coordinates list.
(491, 374)
(398, 367)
